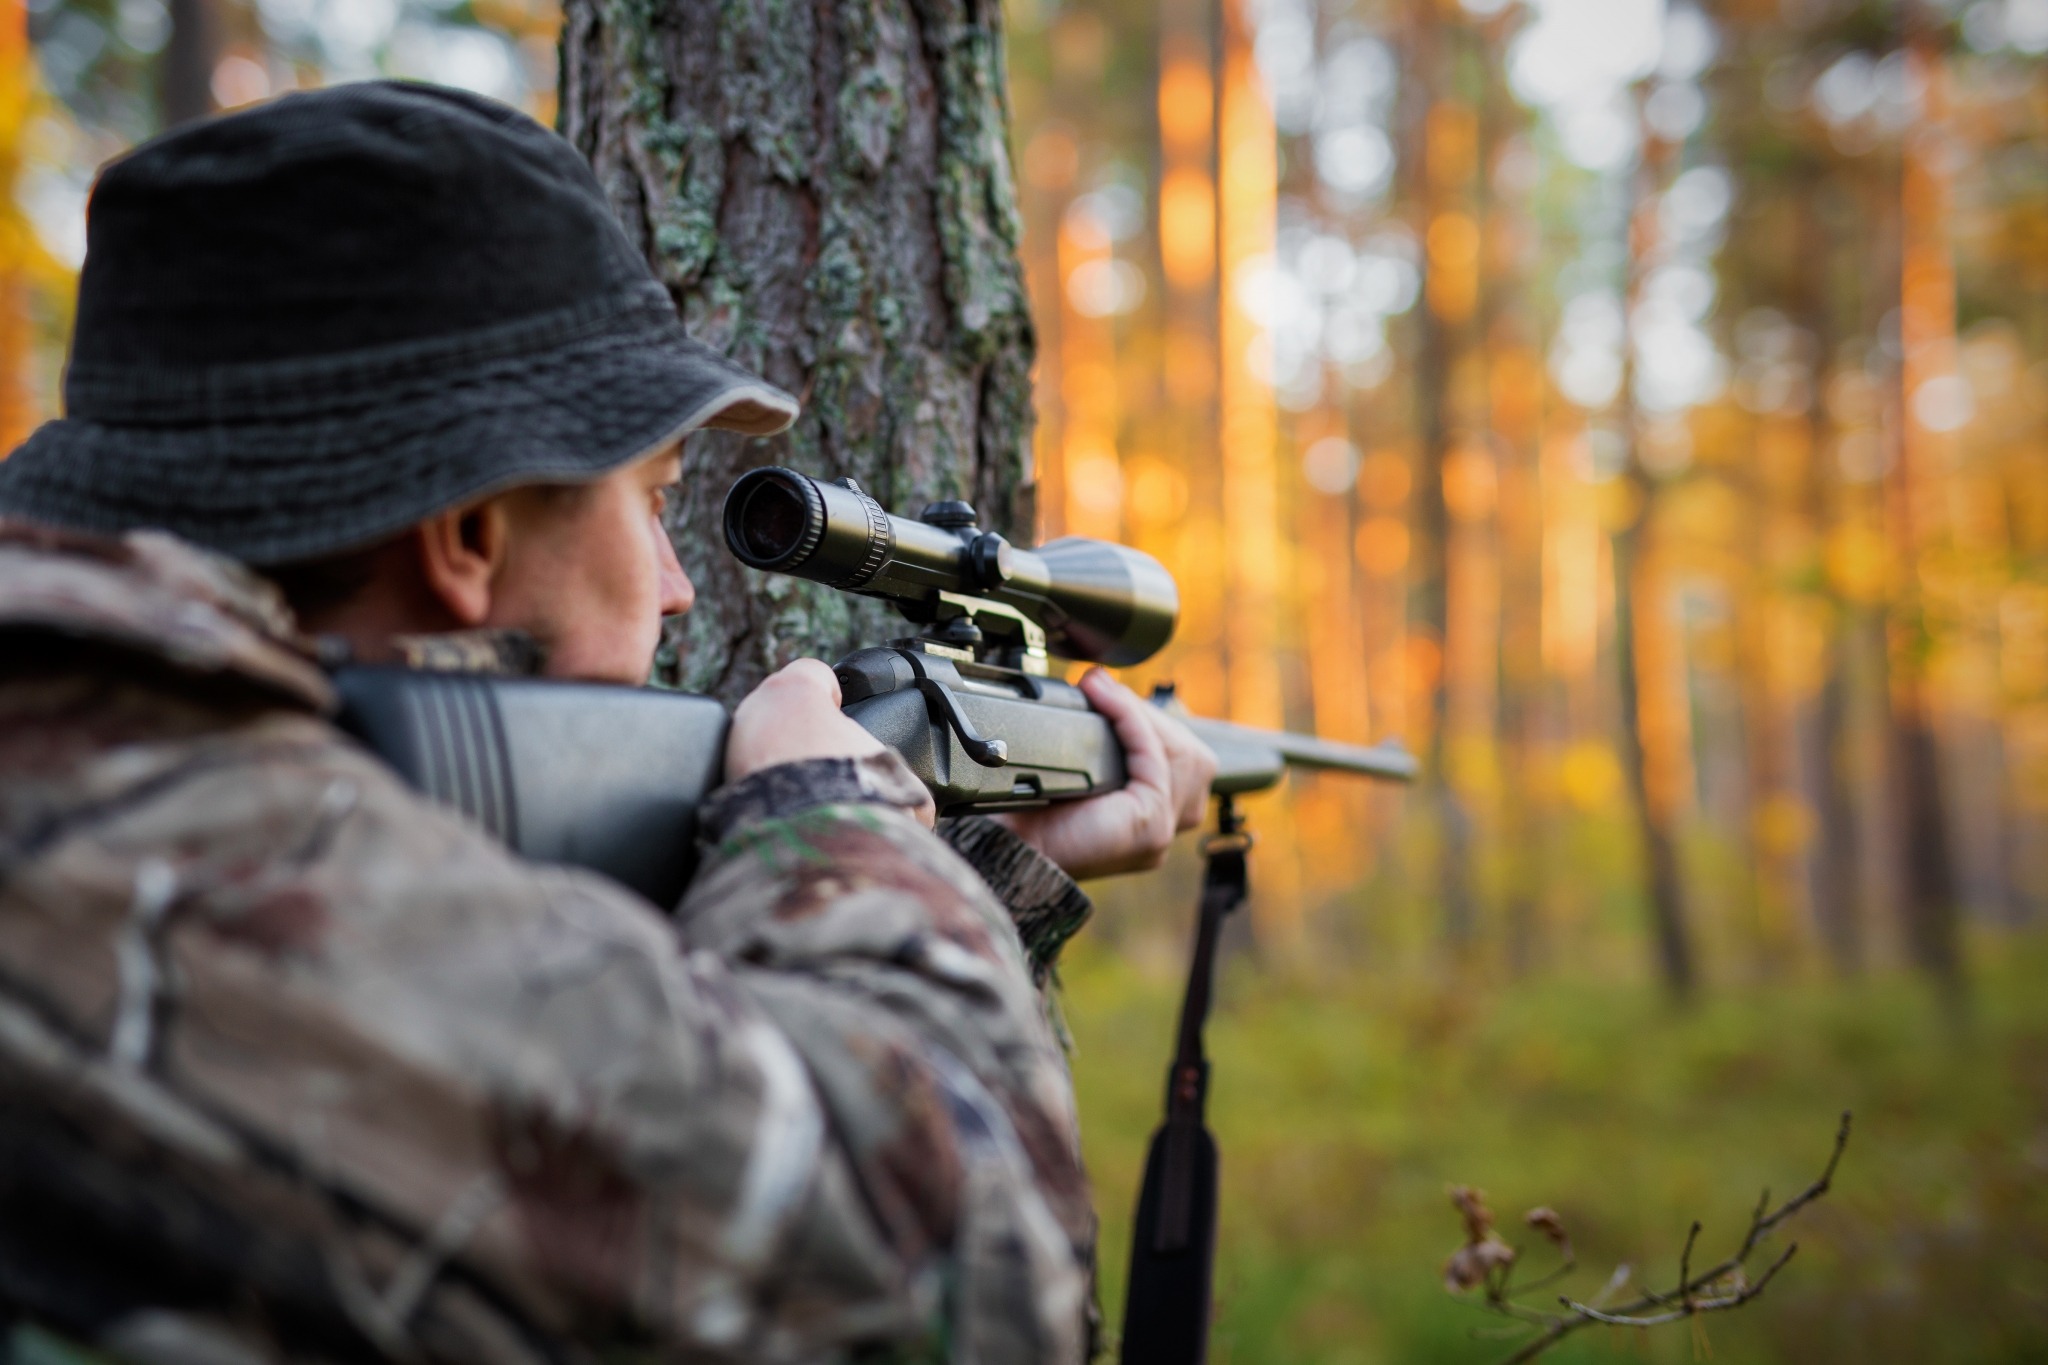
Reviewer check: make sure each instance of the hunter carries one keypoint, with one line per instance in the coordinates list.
(297, 1066)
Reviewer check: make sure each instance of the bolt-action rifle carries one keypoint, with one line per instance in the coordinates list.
(609, 777)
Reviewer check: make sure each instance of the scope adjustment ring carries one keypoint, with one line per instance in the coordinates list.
(881, 539)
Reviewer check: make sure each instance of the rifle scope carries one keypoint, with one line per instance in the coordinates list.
(1096, 601)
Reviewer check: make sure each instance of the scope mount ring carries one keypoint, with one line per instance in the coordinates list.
(1028, 634)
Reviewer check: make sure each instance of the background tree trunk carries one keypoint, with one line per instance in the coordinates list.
(185, 70)
(827, 191)
(1656, 817)
(1438, 190)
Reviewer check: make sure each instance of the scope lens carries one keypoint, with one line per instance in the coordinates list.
(771, 520)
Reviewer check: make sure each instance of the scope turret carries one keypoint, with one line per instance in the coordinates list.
(1096, 601)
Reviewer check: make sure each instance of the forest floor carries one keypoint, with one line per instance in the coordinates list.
(1345, 1102)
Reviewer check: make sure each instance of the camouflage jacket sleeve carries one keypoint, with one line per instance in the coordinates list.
(486, 1110)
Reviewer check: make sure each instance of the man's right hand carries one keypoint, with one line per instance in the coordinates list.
(794, 715)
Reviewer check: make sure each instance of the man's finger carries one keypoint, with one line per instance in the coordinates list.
(1145, 757)
(1148, 772)
(1193, 767)
(809, 673)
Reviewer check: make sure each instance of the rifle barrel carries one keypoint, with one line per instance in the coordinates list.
(1250, 759)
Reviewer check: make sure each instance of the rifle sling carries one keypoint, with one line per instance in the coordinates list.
(1172, 1258)
(1187, 1083)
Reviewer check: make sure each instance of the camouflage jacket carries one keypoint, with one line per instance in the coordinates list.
(297, 1066)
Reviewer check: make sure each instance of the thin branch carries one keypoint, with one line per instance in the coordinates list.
(1708, 1291)
(1566, 1267)
(1690, 1308)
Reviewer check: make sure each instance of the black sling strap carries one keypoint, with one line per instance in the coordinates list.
(1173, 1243)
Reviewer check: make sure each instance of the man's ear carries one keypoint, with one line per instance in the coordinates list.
(461, 552)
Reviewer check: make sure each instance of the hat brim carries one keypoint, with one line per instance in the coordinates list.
(294, 486)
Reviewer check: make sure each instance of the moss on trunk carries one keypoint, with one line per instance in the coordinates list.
(826, 189)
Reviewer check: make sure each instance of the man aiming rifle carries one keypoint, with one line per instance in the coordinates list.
(297, 1064)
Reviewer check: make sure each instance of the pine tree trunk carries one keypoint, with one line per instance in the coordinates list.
(185, 70)
(826, 190)
(1429, 601)
(1663, 874)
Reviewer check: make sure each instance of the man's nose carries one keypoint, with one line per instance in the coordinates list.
(678, 593)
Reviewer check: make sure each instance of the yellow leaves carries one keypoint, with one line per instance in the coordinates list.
(1783, 825)
(2023, 639)
(1589, 775)
(1453, 274)
(2023, 238)
(1720, 434)
(1795, 646)
(1783, 447)
(532, 18)
(1473, 763)
(1966, 674)
(1858, 562)
(1620, 503)
(1158, 492)
(1706, 512)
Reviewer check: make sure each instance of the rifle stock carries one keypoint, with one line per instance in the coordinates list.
(609, 778)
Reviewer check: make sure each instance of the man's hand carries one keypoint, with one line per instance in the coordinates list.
(1167, 772)
(794, 715)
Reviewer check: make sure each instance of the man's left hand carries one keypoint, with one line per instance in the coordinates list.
(1167, 772)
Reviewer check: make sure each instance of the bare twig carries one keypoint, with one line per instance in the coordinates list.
(1719, 1288)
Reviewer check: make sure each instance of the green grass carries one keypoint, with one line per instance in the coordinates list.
(1346, 1101)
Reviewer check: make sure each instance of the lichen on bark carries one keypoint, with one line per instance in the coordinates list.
(826, 189)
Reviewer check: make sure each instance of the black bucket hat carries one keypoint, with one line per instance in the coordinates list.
(305, 327)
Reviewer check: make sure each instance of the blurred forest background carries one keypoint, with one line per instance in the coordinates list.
(1640, 408)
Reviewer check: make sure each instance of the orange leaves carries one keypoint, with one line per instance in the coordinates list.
(1470, 483)
(1186, 107)
(1187, 228)
(1382, 546)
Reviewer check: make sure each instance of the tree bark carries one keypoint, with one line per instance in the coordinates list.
(1663, 875)
(1835, 876)
(185, 70)
(1926, 320)
(1429, 597)
(1663, 872)
(826, 190)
